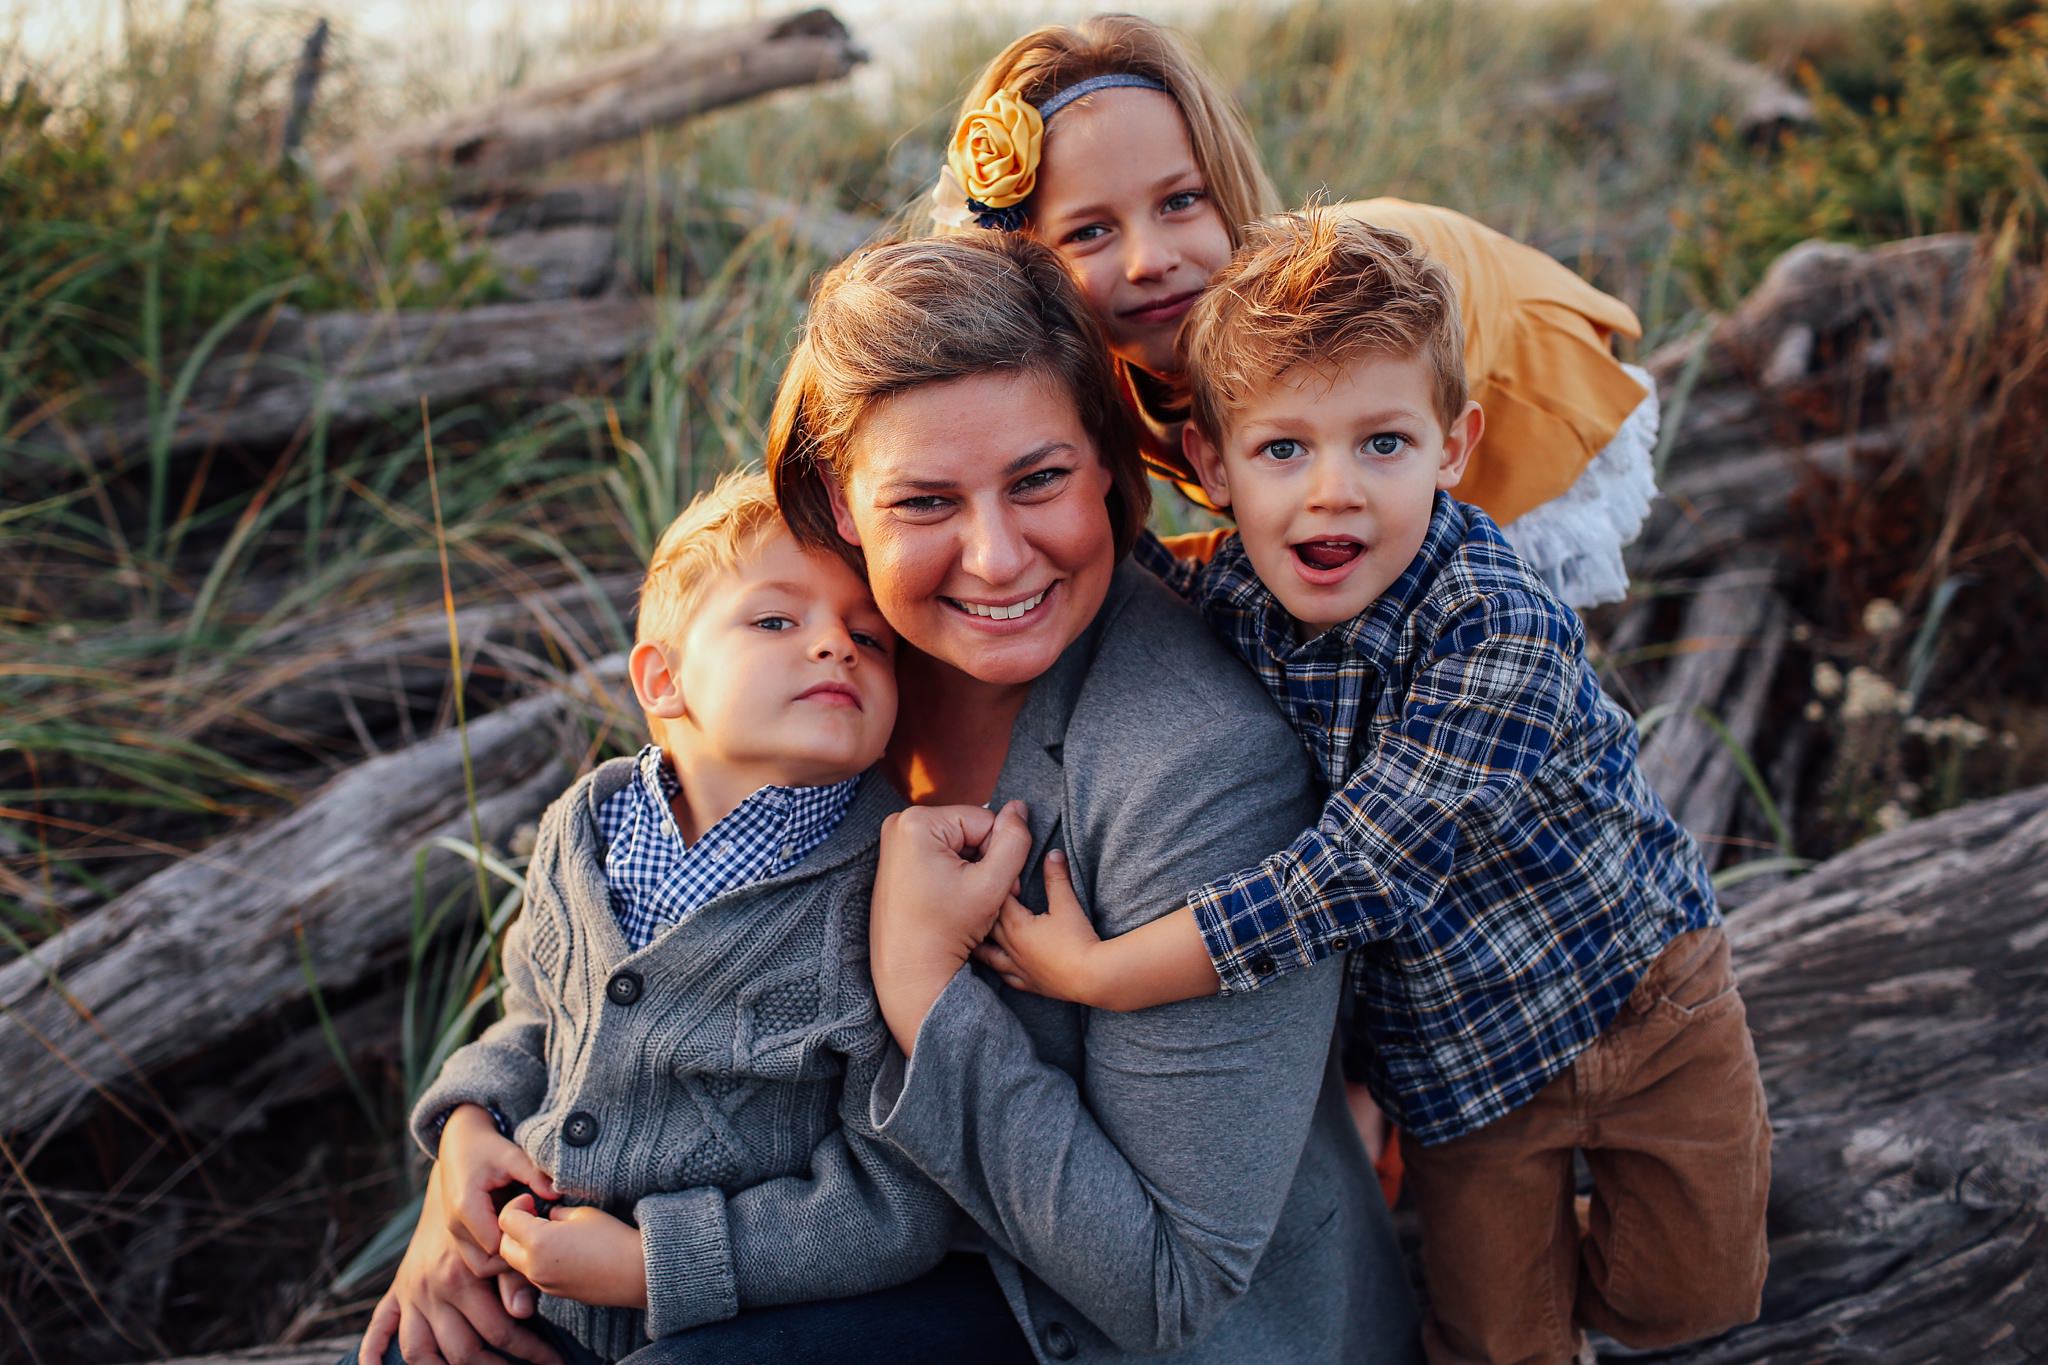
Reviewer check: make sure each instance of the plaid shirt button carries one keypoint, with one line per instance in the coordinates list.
(1262, 965)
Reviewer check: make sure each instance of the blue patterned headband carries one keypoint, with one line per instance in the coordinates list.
(1110, 81)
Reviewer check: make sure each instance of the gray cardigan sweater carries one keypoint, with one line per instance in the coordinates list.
(712, 1087)
(1183, 1179)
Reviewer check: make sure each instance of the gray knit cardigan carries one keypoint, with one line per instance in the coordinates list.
(712, 1087)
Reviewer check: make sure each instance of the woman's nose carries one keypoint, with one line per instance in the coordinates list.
(995, 551)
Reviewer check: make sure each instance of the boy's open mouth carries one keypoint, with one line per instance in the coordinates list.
(1327, 554)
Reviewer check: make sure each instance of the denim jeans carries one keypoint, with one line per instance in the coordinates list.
(955, 1313)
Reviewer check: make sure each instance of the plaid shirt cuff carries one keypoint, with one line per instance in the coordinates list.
(1252, 931)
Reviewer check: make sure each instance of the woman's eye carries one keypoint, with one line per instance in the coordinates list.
(1386, 443)
(1040, 479)
(1281, 450)
(929, 502)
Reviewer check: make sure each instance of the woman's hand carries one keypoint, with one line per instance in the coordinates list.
(439, 1311)
(475, 1162)
(576, 1253)
(1057, 953)
(942, 878)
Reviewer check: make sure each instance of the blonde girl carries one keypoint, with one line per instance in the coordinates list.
(1113, 143)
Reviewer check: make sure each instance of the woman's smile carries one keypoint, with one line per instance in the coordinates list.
(980, 506)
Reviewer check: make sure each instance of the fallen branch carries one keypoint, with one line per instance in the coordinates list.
(622, 97)
(186, 957)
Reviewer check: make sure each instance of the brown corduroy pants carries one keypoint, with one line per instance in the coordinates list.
(1669, 1111)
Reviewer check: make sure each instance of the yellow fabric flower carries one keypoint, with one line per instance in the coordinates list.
(995, 151)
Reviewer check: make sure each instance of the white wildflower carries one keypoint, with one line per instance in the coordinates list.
(523, 840)
(1881, 616)
(1827, 680)
(1814, 711)
(1890, 816)
(1867, 693)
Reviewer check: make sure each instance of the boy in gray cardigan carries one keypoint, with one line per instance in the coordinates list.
(690, 1032)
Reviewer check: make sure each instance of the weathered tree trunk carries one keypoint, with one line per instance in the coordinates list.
(1899, 998)
(1734, 632)
(351, 367)
(201, 948)
(621, 97)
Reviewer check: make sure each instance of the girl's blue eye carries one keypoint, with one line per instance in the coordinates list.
(1086, 234)
(1386, 443)
(1282, 450)
(1183, 200)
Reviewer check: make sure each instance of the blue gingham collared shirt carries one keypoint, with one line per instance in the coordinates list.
(656, 880)
(1488, 843)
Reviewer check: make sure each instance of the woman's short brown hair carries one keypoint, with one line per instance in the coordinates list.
(905, 314)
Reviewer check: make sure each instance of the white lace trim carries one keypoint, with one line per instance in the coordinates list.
(1574, 541)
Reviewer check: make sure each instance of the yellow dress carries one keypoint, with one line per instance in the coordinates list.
(1537, 360)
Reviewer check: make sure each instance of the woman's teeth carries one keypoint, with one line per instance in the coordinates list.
(1009, 613)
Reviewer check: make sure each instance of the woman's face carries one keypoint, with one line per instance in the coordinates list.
(1122, 200)
(981, 507)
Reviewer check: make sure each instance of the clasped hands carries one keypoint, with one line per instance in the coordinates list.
(443, 1304)
(946, 890)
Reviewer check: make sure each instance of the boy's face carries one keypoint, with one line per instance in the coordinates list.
(1332, 474)
(784, 676)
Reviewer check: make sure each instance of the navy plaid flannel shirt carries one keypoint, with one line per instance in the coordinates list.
(1488, 845)
(656, 880)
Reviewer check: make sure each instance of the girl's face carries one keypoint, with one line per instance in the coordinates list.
(981, 506)
(1122, 200)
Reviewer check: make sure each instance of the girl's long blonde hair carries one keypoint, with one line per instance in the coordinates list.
(1048, 60)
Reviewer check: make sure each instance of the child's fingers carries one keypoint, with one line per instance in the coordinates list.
(1059, 886)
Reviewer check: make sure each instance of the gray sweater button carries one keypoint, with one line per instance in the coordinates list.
(580, 1129)
(1059, 1341)
(624, 988)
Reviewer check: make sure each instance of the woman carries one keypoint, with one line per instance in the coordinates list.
(1183, 1179)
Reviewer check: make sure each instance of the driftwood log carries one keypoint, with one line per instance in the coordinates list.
(1899, 998)
(1734, 633)
(266, 386)
(618, 98)
(186, 957)
(355, 684)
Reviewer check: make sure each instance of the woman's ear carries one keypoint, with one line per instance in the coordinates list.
(654, 682)
(842, 515)
(1208, 463)
(1459, 439)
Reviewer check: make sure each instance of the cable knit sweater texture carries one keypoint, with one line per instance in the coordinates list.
(711, 1087)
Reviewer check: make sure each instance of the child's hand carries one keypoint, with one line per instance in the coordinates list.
(576, 1253)
(475, 1162)
(1057, 953)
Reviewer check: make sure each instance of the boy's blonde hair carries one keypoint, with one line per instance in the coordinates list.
(1318, 289)
(1048, 60)
(710, 537)
(906, 314)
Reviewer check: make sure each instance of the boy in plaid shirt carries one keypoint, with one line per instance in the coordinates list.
(1537, 959)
